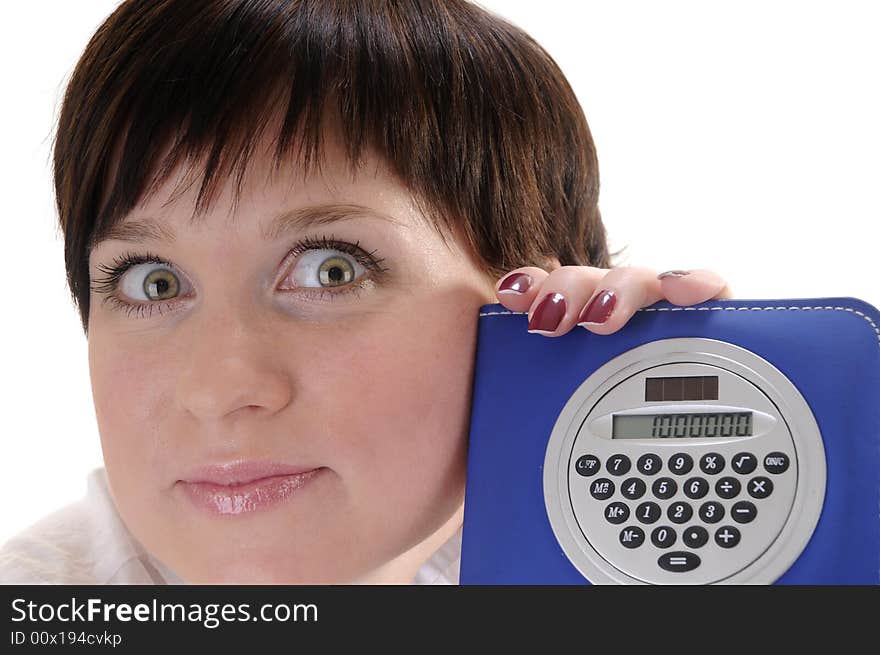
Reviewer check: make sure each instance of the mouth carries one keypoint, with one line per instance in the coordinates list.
(246, 487)
(242, 471)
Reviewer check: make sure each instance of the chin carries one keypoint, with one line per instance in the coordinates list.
(263, 572)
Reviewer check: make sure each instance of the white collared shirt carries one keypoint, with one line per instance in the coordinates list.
(87, 543)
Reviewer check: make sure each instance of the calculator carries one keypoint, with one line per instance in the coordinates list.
(732, 442)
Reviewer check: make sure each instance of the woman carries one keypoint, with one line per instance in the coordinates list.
(281, 355)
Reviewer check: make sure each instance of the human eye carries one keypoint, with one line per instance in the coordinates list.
(318, 261)
(317, 264)
(119, 284)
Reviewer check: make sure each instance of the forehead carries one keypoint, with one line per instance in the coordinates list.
(149, 229)
(276, 201)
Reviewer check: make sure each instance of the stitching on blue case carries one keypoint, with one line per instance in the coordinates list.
(729, 309)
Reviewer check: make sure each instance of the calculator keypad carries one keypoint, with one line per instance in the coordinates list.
(717, 512)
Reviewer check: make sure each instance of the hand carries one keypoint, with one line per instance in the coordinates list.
(605, 298)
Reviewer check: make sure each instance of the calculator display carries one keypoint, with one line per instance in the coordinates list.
(675, 426)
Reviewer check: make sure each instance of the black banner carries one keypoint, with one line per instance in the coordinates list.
(234, 618)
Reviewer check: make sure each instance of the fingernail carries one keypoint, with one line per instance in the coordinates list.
(672, 274)
(548, 314)
(599, 309)
(515, 283)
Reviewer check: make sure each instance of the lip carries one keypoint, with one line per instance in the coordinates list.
(245, 486)
(242, 471)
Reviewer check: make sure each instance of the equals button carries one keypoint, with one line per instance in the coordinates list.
(679, 561)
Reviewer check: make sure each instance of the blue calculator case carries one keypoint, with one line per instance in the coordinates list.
(828, 348)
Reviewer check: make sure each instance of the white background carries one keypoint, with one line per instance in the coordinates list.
(737, 136)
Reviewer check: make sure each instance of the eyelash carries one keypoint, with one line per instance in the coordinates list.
(109, 284)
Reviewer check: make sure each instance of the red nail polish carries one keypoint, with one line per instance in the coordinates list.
(515, 283)
(548, 314)
(599, 309)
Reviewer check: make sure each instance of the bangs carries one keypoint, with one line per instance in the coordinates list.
(216, 80)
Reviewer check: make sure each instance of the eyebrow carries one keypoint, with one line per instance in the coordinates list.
(145, 229)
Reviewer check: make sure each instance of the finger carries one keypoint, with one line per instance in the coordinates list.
(619, 295)
(693, 287)
(562, 296)
(518, 289)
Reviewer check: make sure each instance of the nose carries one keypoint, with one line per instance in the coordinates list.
(231, 361)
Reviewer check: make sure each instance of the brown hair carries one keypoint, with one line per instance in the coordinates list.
(471, 114)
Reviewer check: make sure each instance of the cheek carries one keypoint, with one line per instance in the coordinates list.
(402, 421)
(128, 388)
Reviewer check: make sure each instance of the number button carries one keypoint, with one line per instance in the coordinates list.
(663, 537)
(776, 463)
(727, 537)
(648, 512)
(695, 536)
(696, 488)
(711, 463)
(760, 487)
(632, 537)
(712, 512)
(587, 465)
(681, 463)
(664, 488)
(649, 464)
(728, 488)
(743, 511)
(616, 513)
(602, 489)
(744, 463)
(633, 488)
(679, 512)
(618, 465)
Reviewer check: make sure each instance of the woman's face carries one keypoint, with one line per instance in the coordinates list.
(309, 359)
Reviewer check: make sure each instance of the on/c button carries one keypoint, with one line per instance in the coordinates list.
(679, 561)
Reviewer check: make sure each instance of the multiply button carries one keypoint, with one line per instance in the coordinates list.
(727, 537)
(711, 463)
(681, 463)
(649, 464)
(678, 561)
(632, 537)
(760, 487)
(587, 465)
(744, 463)
(776, 463)
(602, 488)
(727, 488)
(618, 465)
